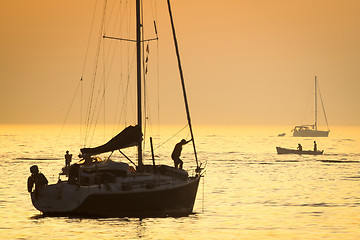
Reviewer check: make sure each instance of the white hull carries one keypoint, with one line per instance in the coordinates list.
(310, 133)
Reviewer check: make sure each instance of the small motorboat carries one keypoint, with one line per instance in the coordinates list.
(281, 150)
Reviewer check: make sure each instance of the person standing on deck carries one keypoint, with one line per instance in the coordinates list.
(68, 158)
(177, 152)
(315, 146)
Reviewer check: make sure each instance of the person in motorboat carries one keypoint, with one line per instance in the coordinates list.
(177, 152)
(68, 158)
(37, 178)
(299, 147)
(315, 146)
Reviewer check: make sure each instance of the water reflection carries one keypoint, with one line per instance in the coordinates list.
(250, 192)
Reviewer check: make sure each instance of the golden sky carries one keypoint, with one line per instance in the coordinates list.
(245, 62)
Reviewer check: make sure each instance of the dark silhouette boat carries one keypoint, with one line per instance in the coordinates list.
(105, 188)
(281, 150)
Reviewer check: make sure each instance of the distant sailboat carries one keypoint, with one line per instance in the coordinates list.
(312, 130)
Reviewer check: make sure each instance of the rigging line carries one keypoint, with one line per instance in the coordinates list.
(104, 82)
(158, 84)
(203, 197)
(127, 91)
(118, 91)
(92, 87)
(89, 119)
(90, 33)
(103, 95)
(92, 117)
(117, 114)
(322, 104)
(90, 102)
(85, 62)
(153, 5)
(81, 110)
(96, 121)
(97, 112)
(122, 110)
(121, 15)
(127, 157)
(66, 116)
(103, 99)
(110, 13)
(172, 137)
(129, 66)
(154, 12)
(118, 15)
(109, 60)
(144, 82)
(130, 40)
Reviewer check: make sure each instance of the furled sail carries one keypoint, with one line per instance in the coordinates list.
(128, 137)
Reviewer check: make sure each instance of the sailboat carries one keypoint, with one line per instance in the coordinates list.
(104, 188)
(312, 130)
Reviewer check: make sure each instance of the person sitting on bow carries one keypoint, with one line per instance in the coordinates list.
(38, 179)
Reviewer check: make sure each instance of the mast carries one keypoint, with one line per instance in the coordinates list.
(182, 82)
(138, 76)
(315, 105)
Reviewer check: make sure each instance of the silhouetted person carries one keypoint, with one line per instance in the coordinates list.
(177, 152)
(299, 147)
(38, 179)
(68, 158)
(315, 146)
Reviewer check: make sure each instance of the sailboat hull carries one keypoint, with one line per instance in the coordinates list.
(310, 133)
(170, 201)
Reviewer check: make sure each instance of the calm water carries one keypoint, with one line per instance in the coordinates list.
(249, 192)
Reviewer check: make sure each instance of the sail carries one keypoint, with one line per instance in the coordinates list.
(128, 137)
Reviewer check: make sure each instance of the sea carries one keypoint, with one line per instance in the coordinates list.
(248, 191)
